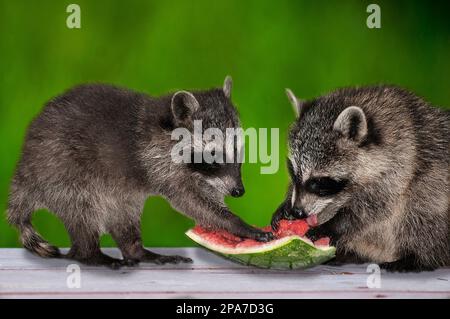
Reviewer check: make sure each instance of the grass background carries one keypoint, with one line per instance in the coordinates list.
(157, 46)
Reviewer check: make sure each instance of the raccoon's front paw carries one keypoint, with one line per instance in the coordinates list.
(316, 233)
(244, 230)
(263, 236)
(277, 216)
(282, 212)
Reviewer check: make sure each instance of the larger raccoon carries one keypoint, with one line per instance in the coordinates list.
(96, 153)
(370, 165)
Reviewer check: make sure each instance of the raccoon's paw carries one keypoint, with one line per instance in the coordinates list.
(334, 262)
(100, 259)
(246, 231)
(174, 259)
(276, 220)
(128, 262)
(162, 259)
(398, 267)
(115, 265)
(282, 212)
(263, 236)
(407, 264)
(316, 233)
(345, 258)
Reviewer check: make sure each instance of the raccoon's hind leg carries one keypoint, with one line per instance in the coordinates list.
(128, 238)
(86, 247)
(409, 263)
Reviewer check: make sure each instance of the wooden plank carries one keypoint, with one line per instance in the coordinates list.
(23, 275)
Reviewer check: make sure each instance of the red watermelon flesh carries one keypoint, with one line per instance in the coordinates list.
(286, 228)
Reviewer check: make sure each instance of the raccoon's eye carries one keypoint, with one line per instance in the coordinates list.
(325, 186)
(204, 167)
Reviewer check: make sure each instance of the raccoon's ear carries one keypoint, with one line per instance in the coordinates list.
(183, 105)
(227, 86)
(297, 104)
(352, 124)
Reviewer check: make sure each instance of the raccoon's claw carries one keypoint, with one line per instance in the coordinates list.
(281, 213)
(264, 237)
(257, 234)
(275, 221)
(316, 233)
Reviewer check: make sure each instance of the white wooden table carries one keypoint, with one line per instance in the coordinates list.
(23, 275)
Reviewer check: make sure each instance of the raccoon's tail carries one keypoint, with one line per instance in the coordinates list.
(31, 240)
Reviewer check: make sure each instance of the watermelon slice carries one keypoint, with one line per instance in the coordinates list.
(290, 250)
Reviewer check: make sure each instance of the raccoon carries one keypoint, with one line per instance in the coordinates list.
(370, 168)
(96, 153)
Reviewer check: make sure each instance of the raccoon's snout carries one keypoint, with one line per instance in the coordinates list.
(298, 212)
(226, 185)
(238, 191)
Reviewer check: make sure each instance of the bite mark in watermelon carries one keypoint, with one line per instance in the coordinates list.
(290, 250)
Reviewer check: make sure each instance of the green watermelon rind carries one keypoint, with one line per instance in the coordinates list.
(291, 252)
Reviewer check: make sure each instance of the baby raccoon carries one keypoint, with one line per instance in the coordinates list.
(370, 165)
(96, 153)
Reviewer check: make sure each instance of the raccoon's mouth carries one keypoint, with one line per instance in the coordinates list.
(312, 220)
(321, 217)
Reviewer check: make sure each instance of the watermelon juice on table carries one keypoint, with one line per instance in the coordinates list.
(290, 249)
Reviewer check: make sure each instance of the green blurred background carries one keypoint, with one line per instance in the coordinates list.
(158, 46)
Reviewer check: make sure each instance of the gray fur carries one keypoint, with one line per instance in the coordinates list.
(95, 154)
(393, 149)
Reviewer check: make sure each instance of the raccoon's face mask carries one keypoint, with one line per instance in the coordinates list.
(224, 177)
(317, 198)
(323, 148)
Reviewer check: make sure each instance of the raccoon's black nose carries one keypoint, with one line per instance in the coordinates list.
(298, 212)
(237, 191)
